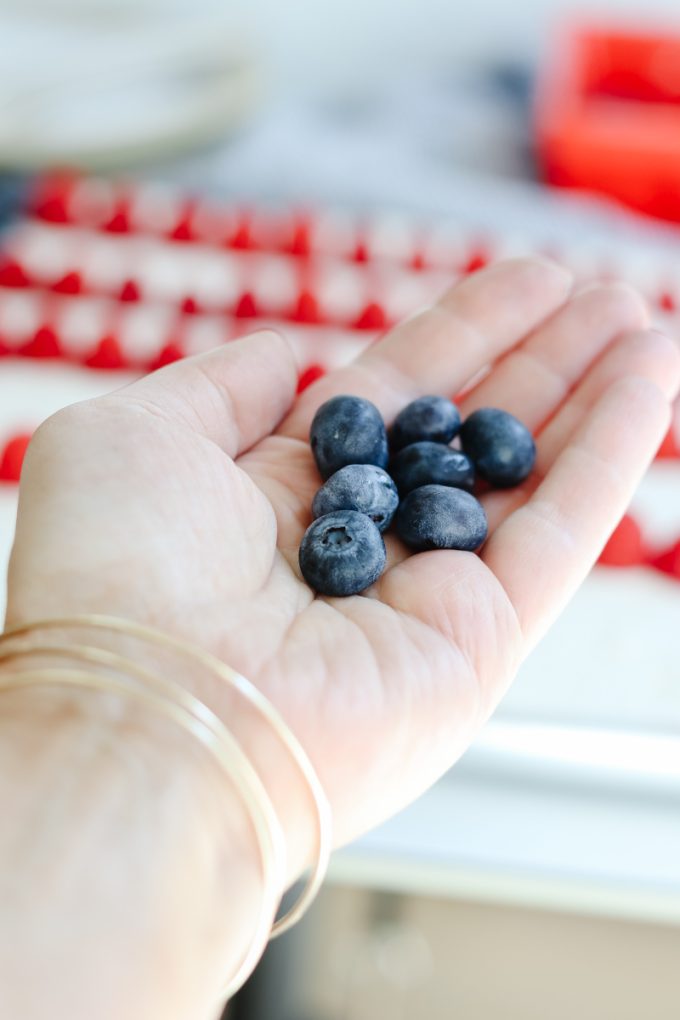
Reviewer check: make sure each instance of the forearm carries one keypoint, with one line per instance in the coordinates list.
(129, 877)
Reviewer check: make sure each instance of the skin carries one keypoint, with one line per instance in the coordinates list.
(180, 501)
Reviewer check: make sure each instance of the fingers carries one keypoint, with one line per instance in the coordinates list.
(534, 378)
(234, 395)
(643, 353)
(544, 550)
(442, 348)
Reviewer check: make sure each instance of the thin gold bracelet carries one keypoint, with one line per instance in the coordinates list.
(195, 718)
(198, 710)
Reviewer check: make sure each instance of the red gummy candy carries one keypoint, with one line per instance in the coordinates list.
(242, 237)
(107, 354)
(13, 275)
(118, 224)
(71, 283)
(372, 317)
(668, 561)
(129, 291)
(625, 547)
(306, 308)
(52, 209)
(667, 302)
(13, 457)
(43, 344)
(51, 196)
(190, 306)
(477, 260)
(245, 306)
(171, 352)
(360, 252)
(669, 449)
(309, 376)
(300, 243)
(183, 231)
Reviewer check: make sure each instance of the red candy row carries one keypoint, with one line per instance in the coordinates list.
(305, 307)
(127, 207)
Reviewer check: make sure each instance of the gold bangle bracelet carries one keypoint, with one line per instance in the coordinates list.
(195, 718)
(261, 704)
(197, 710)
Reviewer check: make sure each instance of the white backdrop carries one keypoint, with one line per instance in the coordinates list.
(347, 43)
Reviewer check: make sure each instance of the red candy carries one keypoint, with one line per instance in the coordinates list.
(43, 344)
(309, 376)
(129, 291)
(53, 209)
(190, 306)
(625, 548)
(13, 275)
(242, 237)
(71, 283)
(13, 458)
(668, 561)
(183, 231)
(107, 354)
(51, 197)
(306, 308)
(299, 243)
(477, 260)
(669, 449)
(372, 317)
(171, 352)
(245, 306)
(118, 224)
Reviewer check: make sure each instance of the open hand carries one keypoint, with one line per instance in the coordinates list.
(181, 500)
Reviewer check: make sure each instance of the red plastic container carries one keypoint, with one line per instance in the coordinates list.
(608, 116)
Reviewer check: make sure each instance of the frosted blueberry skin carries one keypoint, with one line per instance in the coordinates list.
(431, 464)
(362, 487)
(431, 419)
(440, 517)
(500, 446)
(342, 553)
(347, 430)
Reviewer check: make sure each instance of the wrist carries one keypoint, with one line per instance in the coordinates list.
(122, 840)
(280, 773)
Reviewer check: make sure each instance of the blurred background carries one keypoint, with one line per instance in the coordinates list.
(173, 174)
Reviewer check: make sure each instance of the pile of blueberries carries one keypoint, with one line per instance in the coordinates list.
(427, 492)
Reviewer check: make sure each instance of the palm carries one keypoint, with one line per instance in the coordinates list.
(380, 671)
(207, 507)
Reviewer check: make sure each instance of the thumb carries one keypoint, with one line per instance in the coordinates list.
(235, 394)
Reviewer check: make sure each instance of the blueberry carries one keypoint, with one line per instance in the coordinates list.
(439, 517)
(348, 430)
(501, 447)
(362, 487)
(342, 553)
(431, 464)
(434, 419)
